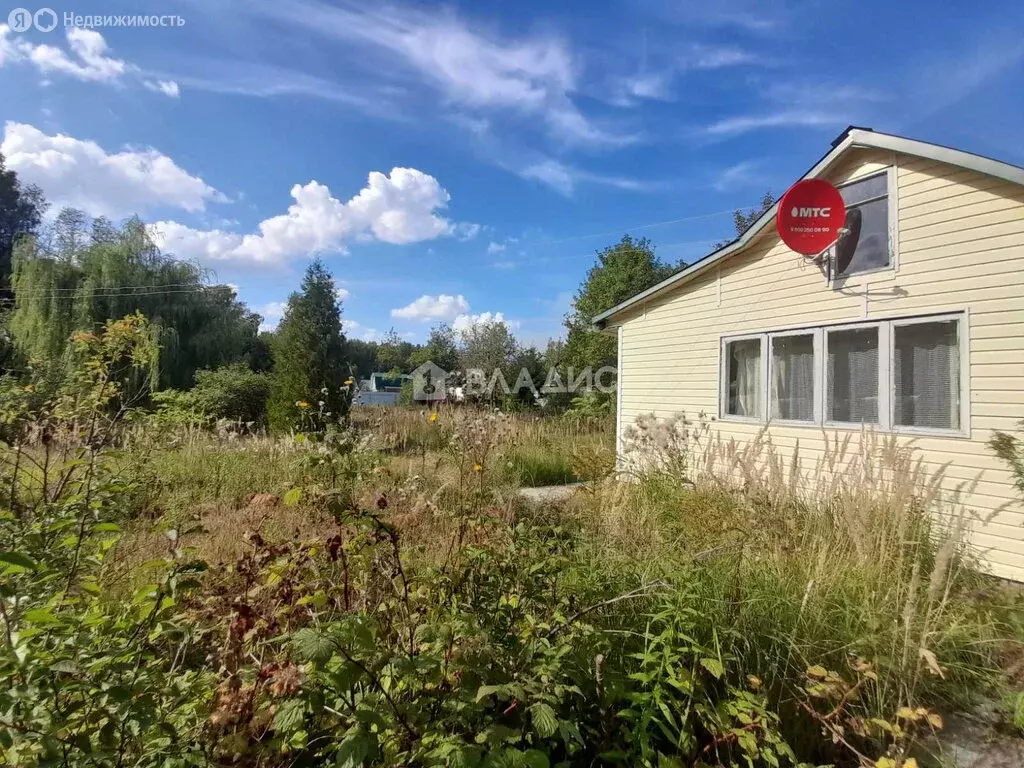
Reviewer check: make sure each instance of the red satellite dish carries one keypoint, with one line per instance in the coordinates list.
(810, 216)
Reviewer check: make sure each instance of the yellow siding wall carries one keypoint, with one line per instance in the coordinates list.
(960, 245)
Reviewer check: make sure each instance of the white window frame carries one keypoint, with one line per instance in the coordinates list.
(884, 376)
(816, 334)
(886, 352)
(840, 281)
(965, 371)
(723, 377)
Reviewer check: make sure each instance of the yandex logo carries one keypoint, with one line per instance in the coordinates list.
(810, 216)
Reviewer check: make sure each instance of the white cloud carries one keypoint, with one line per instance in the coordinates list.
(717, 57)
(473, 69)
(563, 178)
(87, 58)
(465, 230)
(493, 247)
(738, 176)
(443, 307)
(82, 174)
(733, 126)
(504, 264)
(398, 208)
(352, 329)
(272, 314)
(656, 84)
(552, 173)
(341, 293)
(467, 321)
(166, 87)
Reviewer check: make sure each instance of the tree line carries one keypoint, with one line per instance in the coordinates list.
(73, 272)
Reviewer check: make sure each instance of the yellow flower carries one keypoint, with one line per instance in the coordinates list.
(347, 382)
(30, 388)
(433, 417)
(477, 467)
(302, 404)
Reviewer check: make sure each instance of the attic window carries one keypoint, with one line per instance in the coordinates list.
(867, 246)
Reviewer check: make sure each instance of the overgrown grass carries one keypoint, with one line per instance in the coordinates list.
(388, 590)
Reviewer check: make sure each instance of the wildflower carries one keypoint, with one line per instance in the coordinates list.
(302, 404)
(348, 382)
(477, 467)
(433, 417)
(30, 388)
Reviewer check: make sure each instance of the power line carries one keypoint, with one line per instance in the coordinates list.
(130, 291)
(114, 288)
(627, 230)
(42, 293)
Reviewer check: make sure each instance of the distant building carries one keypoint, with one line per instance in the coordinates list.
(380, 389)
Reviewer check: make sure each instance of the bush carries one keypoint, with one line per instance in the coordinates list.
(233, 392)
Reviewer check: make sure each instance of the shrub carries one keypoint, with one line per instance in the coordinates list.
(91, 681)
(232, 392)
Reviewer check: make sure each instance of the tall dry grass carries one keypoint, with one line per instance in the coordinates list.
(806, 560)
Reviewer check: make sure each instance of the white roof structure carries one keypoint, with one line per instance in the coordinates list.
(852, 138)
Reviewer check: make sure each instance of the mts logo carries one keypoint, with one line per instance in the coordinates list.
(811, 213)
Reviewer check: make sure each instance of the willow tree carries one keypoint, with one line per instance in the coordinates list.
(80, 274)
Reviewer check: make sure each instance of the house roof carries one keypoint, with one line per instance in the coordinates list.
(852, 137)
(383, 379)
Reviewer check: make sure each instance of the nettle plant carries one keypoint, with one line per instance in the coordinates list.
(90, 681)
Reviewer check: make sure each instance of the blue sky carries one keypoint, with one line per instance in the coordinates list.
(523, 136)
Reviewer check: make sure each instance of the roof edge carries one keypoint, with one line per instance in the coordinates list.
(851, 137)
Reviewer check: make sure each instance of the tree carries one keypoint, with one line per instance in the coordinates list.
(487, 347)
(743, 220)
(309, 354)
(441, 349)
(393, 354)
(21, 211)
(622, 270)
(531, 360)
(362, 356)
(76, 274)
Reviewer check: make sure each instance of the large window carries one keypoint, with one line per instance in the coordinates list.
(792, 377)
(904, 375)
(926, 374)
(867, 246)
(852, 395)
(743, 371)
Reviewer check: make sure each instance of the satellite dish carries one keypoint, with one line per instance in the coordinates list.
(848, 241)
(810, 216)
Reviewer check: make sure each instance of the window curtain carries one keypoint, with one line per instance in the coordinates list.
(926, 374)
(745, 378)
(853, 376)
(793, 378)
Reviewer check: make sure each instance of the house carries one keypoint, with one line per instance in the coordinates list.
(920, 335)
(380, 389)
